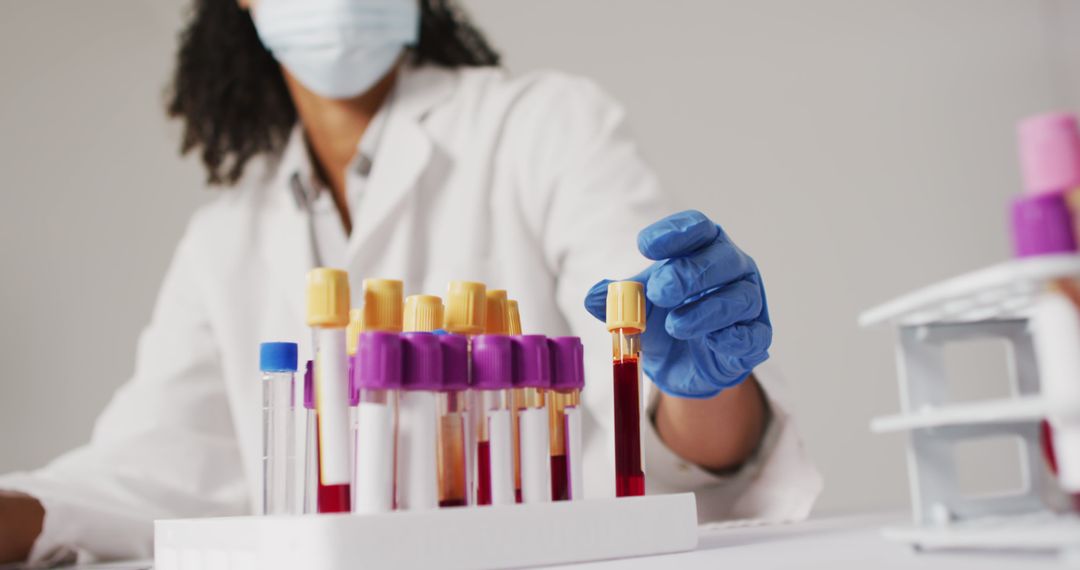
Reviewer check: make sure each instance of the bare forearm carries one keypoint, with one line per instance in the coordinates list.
(21, 518)
(718, 433)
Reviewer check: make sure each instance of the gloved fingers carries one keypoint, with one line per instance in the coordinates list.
(677, 235)
(596, 298)
(722, 370)
(744, 340)
(734, 303)
(676, 280)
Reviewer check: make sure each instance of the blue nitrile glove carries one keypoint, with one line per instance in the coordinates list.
(707, 321)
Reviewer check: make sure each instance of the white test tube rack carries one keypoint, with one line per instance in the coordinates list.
(463, 537)
(985, 304)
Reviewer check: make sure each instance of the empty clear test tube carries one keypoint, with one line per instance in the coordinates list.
(532, 380)
(453, 419)
(277, 361)
(421, 380)
(489, 407)
(564, 409)
(378, 380)
(328, 315)
(626, 321)
(308, 459)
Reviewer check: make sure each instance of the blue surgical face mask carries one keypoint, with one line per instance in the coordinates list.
(337, 48)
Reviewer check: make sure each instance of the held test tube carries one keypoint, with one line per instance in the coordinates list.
(417, 471)
(453, 418)
(564, 407)
(492, 366)
(378, 380)
(626, 321)
(277, 361)
(328, 315)
(532, 380)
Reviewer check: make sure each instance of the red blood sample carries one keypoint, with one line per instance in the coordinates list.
(517, 495)
(331, 498)
(560, 486)
(483, 473)
(629, 478)
(452, 503)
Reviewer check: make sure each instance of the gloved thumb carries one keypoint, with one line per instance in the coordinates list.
(596, 298)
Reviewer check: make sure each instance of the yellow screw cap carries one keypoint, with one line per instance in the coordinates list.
(626, 306)
(497, 321)
(466, 308)
(513, 317)
(352, 332)
(423, 313)
(327, 298)
(382, 305)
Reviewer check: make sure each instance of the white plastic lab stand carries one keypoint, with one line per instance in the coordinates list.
(469, 537)
(986, 304)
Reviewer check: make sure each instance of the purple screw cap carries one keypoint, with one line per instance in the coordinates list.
(1042, 225)
(378, 361)
(567, 363)
(492, 363)
(309, 385)
(455, 358)
(422, 356)
(532, 361)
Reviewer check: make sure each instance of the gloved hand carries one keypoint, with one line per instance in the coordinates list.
(707, 322)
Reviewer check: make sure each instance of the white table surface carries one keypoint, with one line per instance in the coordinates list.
(829, 543)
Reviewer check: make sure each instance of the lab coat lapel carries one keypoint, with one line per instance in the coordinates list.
(400, 159)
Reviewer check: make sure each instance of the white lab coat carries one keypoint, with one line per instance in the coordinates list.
(528, 184)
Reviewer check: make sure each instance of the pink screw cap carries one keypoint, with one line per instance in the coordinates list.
(1050, 152)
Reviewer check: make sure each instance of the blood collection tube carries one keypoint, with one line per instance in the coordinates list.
(513, 318)
(465, 313)
(423, 313)
(564, 408)
(497, 318)
(418, 469)
(453, 418)
(382, 305)
(328, 315)
(309, 491)
(626, 321)
(378, 380)
(277, 361)
(532, 380)
(492, 366)
(498, 322)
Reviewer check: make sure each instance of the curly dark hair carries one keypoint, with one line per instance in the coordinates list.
(231, 95)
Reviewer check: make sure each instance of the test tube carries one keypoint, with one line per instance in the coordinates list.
(378, 381)
(453, 418)
(309, 494)
(498, 322)
(277, 361)
(626, 321)
(513, 318)
(421, 379)
(465, 314)
(564, 407)
(328, 315)
(532, 380)
(492, 366)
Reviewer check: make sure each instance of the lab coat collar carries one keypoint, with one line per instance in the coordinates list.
(401, 158)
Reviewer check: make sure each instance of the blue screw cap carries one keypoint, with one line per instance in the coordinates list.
(277, 357)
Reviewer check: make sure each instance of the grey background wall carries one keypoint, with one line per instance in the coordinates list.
(857, 148)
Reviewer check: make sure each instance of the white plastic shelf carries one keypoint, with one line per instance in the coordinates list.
(1001, 291)
(985, 412)
(482, 537)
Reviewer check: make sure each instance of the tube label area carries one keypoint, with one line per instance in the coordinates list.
(574, 450)
(502, 458)
(331, 390)
(374, 485)
(535, 455)
(418, 484)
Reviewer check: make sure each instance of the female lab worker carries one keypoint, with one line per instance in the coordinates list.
(380, 136)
